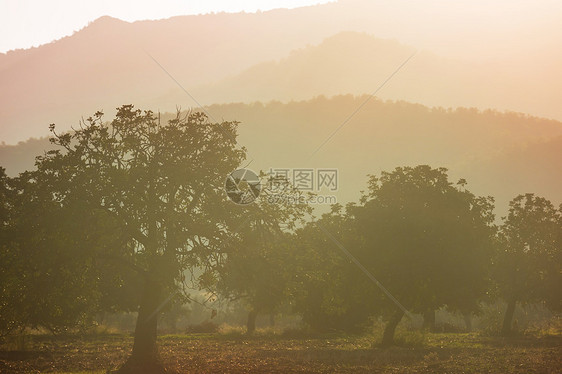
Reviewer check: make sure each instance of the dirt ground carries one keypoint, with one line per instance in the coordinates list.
(208, 353)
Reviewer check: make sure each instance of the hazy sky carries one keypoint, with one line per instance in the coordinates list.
(28, 23)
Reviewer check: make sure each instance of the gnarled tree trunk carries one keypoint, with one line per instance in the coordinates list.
(429, 320)
(390, 328)
(145, 357)
(467, 321)
(508, 317)
(251, 324)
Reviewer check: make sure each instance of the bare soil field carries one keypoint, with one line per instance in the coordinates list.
(216, 353)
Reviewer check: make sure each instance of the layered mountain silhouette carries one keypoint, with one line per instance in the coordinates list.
(358, 63)
(292, 77)
(284, 55)
(500, 154)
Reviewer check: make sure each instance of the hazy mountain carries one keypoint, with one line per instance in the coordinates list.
(500, 154)
(107, 64)
(214, 56)
(357, 63)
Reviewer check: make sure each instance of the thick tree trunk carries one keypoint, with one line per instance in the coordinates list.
(251, 324)
(390, 328)
(467, 321)
(145, 357)
(429, 320)
(506, 328)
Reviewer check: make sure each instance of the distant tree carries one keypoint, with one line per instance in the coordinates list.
(426, 240)
(9, 320)
(330, 292)
(256, 266)
(528, 262)
(256, 273)
(159, 187)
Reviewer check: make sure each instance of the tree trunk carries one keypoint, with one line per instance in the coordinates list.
(145, 357)
(429, 320)
(390, 328)
(272, 320)
(251, 325)
(506, 329)
(467, 321)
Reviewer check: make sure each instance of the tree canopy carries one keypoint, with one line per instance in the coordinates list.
(529, 255)
(426, 240)
(155, 192)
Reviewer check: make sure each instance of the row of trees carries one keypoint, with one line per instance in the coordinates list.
(123, 214)
(428, 243)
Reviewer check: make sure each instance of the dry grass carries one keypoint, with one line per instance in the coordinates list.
(276, 353)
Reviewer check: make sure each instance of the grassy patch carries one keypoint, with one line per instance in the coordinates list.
(272, 352)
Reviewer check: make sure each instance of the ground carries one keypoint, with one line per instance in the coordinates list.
(220, 353)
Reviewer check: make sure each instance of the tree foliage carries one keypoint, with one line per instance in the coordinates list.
(257, 264)
(330, 292)
(144, 195)
(529, 257)
(426, 240)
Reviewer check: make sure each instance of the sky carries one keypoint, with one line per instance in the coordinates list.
(30, 23)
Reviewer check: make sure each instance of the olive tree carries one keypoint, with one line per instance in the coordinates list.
(427, 240)
(159, 186)
(527, 263)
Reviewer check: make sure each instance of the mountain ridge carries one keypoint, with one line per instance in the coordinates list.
(109, 63)
(500, 154)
